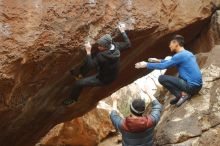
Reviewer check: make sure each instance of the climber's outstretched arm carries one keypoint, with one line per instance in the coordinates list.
(164, 64)
(126, 43)
(115, 118)
(156, 110)
(154, 60)
(156, 106)
(90, 62)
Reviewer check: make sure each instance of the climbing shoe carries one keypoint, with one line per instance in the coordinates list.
(182, 100)
(69, 101)
(174, 101)
(78, 77)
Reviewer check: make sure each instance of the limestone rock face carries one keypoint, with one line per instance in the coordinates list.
(197, 121)
(42, 39)
(88, 130)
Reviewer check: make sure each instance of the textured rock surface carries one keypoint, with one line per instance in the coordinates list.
(197, 121)
(196, 118)
(95, 127)
(88, 130)
(41, 41)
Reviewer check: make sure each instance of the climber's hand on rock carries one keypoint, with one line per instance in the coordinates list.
(88, 48)
(122, 27)
(154, 60)
(141, 64)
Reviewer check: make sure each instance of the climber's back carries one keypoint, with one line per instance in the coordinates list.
(137, 130)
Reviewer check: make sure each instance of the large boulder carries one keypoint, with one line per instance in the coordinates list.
(42, 39)
(87, 130)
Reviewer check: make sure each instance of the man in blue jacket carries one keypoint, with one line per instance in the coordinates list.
(189, 81)
(137, 129)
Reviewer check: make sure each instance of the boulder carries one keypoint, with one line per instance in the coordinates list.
(87, 130)
(42, 39)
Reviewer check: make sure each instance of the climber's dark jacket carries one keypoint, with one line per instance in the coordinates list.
(107, 62)
(137, 131)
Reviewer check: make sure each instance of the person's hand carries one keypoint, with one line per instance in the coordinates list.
(114, 99)
(88, 48)
(154, 60)
(122, 27)
(141, 64)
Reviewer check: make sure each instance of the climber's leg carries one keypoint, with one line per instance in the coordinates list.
(175, 85)
(79, 85)
(85, 68)
(80, 72)
(89, 81)
(76, 71)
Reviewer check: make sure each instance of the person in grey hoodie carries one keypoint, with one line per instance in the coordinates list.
(106, 62)
(137, 129)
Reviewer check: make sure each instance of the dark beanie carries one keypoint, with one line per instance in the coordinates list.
(137, 107)
(105, 41)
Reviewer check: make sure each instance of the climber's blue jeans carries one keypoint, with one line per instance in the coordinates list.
(177, 85)
(88, 81)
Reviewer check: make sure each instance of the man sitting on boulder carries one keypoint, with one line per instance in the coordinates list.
(189, 81)
(137, 129)
(106, 62)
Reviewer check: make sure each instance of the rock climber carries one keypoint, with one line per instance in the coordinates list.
(189, 81)
(138, 128)
(106, 61)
